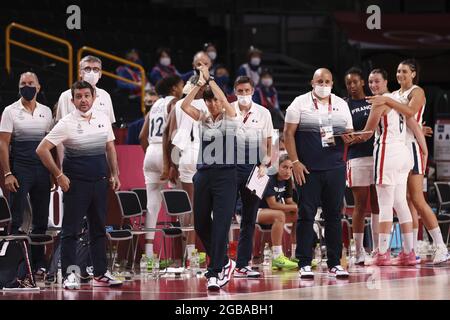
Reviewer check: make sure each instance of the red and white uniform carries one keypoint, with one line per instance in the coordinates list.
(414, 148)
(392, 158)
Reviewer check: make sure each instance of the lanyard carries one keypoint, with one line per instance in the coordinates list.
(247, 116)
(330, 109)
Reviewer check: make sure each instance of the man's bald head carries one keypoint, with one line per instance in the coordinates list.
(322, 77)
(201, 58)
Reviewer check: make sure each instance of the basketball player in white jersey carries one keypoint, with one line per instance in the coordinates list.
(392, 163)
(170, 89)
(410, 101)
(183, 133)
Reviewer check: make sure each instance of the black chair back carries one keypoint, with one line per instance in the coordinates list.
(129, 204)
(177, 202)
(142, 195)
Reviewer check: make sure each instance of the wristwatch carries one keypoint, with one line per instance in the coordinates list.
(211, 78)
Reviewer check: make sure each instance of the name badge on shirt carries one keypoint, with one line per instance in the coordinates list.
(326, 134)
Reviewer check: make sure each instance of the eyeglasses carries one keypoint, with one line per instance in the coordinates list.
(89, 69)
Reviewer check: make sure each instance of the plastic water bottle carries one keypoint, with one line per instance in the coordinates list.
(194, 263)
(59, 276)
(318, 254)
(143, 266)
(155, 269)
(267, 256)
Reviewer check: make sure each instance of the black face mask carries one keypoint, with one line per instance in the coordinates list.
(27, 92)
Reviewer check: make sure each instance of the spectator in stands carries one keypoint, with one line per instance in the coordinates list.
(135, 127)
(222, 77)
(265, 92)
(89, 141)
(131, 73)
(252, 68)
(23, 125)
(211, 51)
(163, 67)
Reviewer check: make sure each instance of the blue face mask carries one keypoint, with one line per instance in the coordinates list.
(222, 80)
(27, 92)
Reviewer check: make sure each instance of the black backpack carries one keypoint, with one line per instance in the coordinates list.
(15, 268)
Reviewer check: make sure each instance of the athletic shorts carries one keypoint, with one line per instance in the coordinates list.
(416, 153)
(392, 163)
(360, 172)
(188, 164)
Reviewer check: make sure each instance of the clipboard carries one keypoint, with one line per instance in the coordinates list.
(355, 133)
(257, 185)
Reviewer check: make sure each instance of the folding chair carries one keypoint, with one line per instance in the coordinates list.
(142, 195)
(443, 195)
(178, 204)
(129, 207)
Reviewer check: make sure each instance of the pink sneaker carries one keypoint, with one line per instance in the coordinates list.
(404, 259)
(383, 259)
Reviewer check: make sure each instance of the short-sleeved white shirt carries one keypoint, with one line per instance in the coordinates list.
(27, 130)
(303, 112)
(102, 103)
(84, 144)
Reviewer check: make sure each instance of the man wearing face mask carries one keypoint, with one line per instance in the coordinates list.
(89, 161)
(252, 68)
(265, 92)
(312, 121)
(24, 124)
(222, 77)
(91, 72)
(254, 143)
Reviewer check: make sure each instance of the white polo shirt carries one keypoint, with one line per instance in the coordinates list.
(84, 144)
(255, 127)
(102, 103)
(303, 112)
(27, 130)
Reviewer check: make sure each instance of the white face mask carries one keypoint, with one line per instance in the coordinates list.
(322, 92)
(212, 55)
(244, 100)
(91, 77)
(255, 61)
(83, 114)
(165, 61)
(267, 82)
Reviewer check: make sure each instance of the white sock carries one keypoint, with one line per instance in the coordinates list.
(149, 249)
(437, 236)
(383, 242)
(359, 237)
(415, 234)
(277, 251)
(189, 249)
(375, 224)
(293, 248)
(408, 242)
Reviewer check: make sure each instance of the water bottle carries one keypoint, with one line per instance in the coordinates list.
(143, 266)
(267, 255)
(318, 254)
(352, 260)
(344, 261)
(194, 262)
(155, 269)
(59, 275)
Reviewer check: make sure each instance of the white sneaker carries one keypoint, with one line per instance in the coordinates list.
(227, 271)
(339, 272)
(306, 272)
(246, 272)
(213, 284)
(360, 257)
(106, 280)
(72, 282)
(441, 254)
(370, 259)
